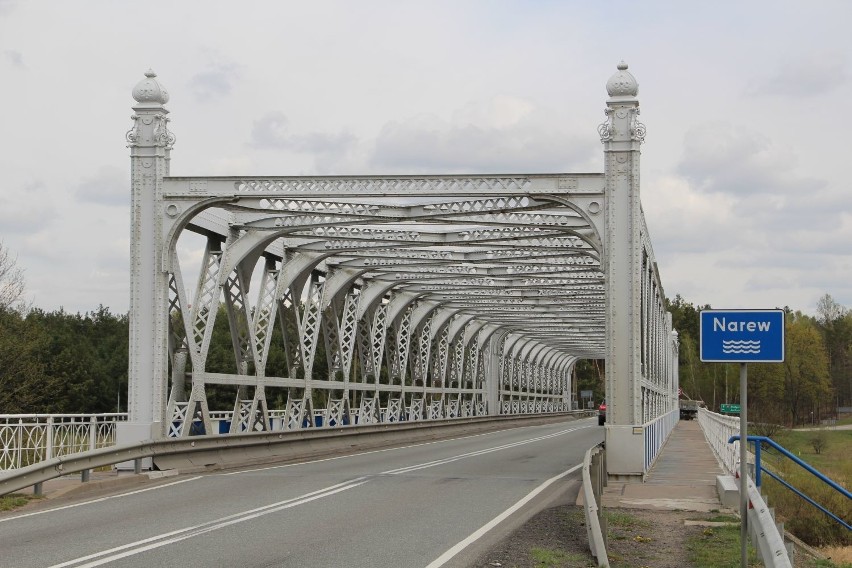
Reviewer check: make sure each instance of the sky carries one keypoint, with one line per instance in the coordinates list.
(743, 165)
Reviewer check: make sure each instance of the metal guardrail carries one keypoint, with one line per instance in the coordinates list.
(200, 453)
(764, 531)
(758, 469)
(594, 480)
(718, 431)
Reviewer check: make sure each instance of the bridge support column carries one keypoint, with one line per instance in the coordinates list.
(150, 142)
(621, 135)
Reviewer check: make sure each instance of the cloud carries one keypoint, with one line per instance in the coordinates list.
(271, 131)
(109, 186)
(683, 220)
(503, 134)
(810, 75)
(7, 6)
(29, 215)
(215, 82)
(16, 58)
(723, 158)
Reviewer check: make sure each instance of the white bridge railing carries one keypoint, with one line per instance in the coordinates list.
(26, 439)
(718, 429)
(764, 533)
(656, 432)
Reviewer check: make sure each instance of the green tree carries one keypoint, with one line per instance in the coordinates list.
(792, 390)
(24, 387)
(835, 323)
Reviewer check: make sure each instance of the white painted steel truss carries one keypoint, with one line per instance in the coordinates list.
(432, 296)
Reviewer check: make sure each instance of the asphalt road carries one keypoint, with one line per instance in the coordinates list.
(425, 505)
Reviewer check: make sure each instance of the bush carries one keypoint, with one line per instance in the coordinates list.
(819, 441)
(803, 519)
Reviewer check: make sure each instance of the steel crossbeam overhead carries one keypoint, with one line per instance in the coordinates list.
(361, 299)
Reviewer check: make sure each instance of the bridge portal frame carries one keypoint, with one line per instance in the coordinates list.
(435, 296)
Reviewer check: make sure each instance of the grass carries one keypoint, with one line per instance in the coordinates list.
(14, 501)
(834, 457)
(829, 564)
(719, 547)
(623, 520)
(721, 519)
(802, 519)
(546, 558)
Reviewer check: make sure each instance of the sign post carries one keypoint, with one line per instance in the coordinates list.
(742, 336)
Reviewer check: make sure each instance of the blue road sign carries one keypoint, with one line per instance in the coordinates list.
(742, 336)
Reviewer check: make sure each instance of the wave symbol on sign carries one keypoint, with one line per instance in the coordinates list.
(739, 347)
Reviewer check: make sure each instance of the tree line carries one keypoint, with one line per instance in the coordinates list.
(58, 362)
(812, 382)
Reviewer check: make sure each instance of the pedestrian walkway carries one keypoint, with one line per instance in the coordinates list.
(682, 478)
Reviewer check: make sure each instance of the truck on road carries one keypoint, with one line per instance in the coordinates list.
(689, 408)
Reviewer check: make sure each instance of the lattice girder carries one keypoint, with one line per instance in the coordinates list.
(331, 337)
(199, 322)
(264, 315)
(239, 320)
(310, 317)
(403, 344)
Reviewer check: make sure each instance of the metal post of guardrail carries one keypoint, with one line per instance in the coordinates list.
(48, 439)
(137, 466)
(93, 433)
(598, 484)
(20, 442)
(93, 443)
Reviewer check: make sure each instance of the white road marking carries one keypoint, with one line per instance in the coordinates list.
(474, 454)
(140, 546)
(372, 452)
(476, 535)
(158, 541)
(99, 500)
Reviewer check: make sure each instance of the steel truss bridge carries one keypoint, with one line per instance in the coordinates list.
(433, 296)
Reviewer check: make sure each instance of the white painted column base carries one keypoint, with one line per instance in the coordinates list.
(625, 451)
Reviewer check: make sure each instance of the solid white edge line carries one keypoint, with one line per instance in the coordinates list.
(476, 535)
(98, 500)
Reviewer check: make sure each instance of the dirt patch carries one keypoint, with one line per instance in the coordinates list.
(637, 538)
(556, 537)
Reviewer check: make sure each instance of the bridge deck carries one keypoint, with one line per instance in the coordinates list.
(683, 477)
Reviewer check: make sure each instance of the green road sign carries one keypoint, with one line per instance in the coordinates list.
(731, 408)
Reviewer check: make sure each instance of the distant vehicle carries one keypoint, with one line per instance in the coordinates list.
(689, 408)
(602, 413)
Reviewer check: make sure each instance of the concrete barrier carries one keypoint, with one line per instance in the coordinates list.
(728, 490)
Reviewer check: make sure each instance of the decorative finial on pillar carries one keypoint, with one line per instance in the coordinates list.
(152, 129)
(150, 91)
(623, 83)
(622, 109)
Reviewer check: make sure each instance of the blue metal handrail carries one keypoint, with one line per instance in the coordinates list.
(758, 468)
